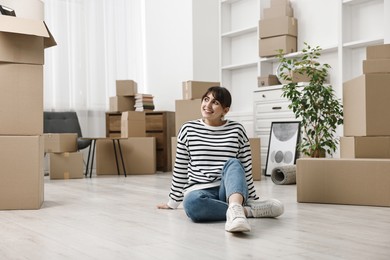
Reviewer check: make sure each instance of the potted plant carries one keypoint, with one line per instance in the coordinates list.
(314, 103)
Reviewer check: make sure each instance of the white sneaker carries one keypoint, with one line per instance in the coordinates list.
(236, 220)
(271, 208)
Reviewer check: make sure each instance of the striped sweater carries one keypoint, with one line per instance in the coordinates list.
(201, 153)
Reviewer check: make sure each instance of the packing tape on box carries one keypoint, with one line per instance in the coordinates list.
(284, 175)
(66, 176)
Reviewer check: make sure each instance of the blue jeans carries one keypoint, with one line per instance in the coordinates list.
(211, 204)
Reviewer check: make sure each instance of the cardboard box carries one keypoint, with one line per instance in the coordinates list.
(196, 89)
(381, 51)
(139, 154)
(278, 26)
(297, 77)
(365, 103)
(365, 147)
(122, 103)
(60, 143)
(186, 110)
(23, 40)
(133, 124)
(126, 88)
(344, 181)
(66, 166)
(376, 66)
(256, 156)
(278, 11)
(21, 99)
(268, 80)
(21, 172)
(30, 9)
(270, 46)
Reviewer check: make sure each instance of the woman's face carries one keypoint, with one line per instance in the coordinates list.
(212, 111)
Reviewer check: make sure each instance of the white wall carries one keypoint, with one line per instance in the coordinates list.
(181, 44)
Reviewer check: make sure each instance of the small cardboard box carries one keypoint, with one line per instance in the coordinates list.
(278, 11)
(376, 66)
(21, 99)
(23, 40)
(278, 26)
(186, 110)
(196, 89)
(60, 143)
(21, 172)
(269, 80)
(365, 147)
(126, 88)
(270, 46)
(365, 103)
(381, 51)
(139, 154)
(66, 166)
(256, 156)
(344, 181)
(133, 124)
(122, 103)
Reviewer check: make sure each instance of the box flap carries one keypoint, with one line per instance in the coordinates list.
(10, 24)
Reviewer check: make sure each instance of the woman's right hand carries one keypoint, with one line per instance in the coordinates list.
(163, 206)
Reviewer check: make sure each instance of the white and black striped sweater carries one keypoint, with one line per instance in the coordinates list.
(201, 153)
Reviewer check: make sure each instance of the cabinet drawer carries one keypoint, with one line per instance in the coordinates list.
(272, 107)
(269, 95)
(154, 122)
(114, 123)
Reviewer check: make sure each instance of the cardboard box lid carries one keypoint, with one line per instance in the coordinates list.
(10, 24)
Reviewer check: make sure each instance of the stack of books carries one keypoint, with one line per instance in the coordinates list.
(144, 102)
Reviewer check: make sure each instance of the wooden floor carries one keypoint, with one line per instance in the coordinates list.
(116, 218)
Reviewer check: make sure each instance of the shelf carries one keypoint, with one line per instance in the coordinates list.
(355, 2)
(328, 49)
(239, 32)
(363, 43)
(240, 66)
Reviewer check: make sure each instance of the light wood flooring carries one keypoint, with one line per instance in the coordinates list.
(113, 217)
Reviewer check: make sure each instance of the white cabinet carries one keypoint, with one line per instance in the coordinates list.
(269, 107)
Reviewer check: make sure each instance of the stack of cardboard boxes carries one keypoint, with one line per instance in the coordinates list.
(362, 175)
(65, 161)
(278, 29)
(124, 100)
(22, 44)
(188, 109)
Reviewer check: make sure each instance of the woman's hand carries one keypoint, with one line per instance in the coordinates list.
(163, 206)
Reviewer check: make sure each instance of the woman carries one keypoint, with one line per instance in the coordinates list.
(212, 175)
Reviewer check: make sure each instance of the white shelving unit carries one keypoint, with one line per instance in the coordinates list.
(343, 29)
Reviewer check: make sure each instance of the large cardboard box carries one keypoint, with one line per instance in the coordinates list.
(122, 103)
(126, 88)
(376, 66)
(21, 99)
(186, 110)
(23, 40)
(21, 172)
(344, 181)
(196, 89)
(66, 166)
(365, 101)
(381, 51)
(60, 143)
(139, 154)
(256, 156)
(278, 26)
(270, 46)
(133, 124)
(365, 147)
(278, 11)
